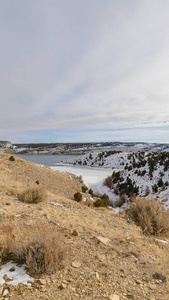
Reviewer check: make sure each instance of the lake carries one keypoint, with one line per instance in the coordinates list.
(46, 159)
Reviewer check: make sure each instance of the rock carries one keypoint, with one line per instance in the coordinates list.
(103, 240)
(152, 287)
(62, 286)
(42, 281)
(101, 257)
(12, 269)
(87, 270)
(114, 297)
(138, 281)
(75, 232)
(76, 264)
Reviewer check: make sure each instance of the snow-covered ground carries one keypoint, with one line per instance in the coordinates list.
(11, 274)
(143, 169)
(92, 177)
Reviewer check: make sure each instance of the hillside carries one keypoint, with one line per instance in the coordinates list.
(139, 173)
(109, 257)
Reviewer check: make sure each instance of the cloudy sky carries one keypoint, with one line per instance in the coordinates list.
(84, 70)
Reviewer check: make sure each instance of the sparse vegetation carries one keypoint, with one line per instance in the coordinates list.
(150, 215)
(84, 188)
(108, 182)
(78, 197)
(91, 192)
(40, 248)
(103, 201)
(32, 195)
(12, 158)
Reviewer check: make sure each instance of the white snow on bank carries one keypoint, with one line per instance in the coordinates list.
(92, 177)
(18, 275)
(95, 167)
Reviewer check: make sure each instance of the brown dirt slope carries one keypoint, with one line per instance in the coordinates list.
(110, 258)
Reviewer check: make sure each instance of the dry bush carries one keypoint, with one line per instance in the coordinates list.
(150, 214)
(40, 248)
(108, 181)
(32, 195)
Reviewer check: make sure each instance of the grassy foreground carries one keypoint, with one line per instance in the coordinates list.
(85, 252)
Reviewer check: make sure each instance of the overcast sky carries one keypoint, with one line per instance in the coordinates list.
(84, 70)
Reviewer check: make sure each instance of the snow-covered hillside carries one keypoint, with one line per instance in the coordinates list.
(139, 173)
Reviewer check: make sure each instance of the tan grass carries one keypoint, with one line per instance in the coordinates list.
(40, 247)
(32, 195)
(150, 215)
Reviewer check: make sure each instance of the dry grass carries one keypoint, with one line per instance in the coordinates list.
(150, 215)
(40, 248)
(32, 195)
(108, 182)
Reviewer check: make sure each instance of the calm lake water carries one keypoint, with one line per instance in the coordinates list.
(48, 160)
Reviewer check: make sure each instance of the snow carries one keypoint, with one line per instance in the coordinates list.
(96, 166)
(92, 177)
(17, 276)
(56, 204)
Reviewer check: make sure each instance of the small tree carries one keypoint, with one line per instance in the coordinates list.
(104, 201)
(12, 158)
(78, 197)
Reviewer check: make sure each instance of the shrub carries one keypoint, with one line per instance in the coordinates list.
(78, 197)
(39, 247)
(37, 182)
(103, 202)
(84, 188)
(12, 158)
(91, 192)
(108, 182)
(150, 215)
(32, 195)
(160, 182)
(155, 188)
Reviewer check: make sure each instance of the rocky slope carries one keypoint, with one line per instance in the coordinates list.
(109, 259)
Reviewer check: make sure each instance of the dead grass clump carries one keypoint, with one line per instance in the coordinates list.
(40, 248)
(32, 195)
(108, 181)
(150, 215)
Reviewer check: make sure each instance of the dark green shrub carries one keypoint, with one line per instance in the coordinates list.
(78, 197)
(37, 182)
(103, 202)
(91, 192)
(84, 188)
(155, 188)
(12, 158)
(160, 182)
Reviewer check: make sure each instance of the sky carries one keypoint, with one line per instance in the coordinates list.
(84, 71)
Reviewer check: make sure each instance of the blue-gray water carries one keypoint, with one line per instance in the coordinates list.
(48, 160)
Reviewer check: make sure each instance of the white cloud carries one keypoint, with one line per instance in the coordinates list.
(84, 65)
